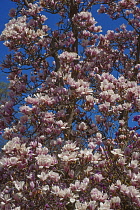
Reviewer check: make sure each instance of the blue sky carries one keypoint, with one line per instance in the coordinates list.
(5, 6)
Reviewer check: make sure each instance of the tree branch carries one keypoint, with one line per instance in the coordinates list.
(26, 3)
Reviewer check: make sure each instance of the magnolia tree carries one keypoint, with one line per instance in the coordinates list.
(72, 96)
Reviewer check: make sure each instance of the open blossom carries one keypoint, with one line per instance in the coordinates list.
(136, 155)
(25, 109)
(4, 162)
(70, 147)
(81, 206)
(80, 186)
(85, 19)
(134, 193)
(110, 96)
(61, 124)
(19, 185)
(82, 87)
(68, 56)
(69, 152)
(117, 152)
(135, 179)
(43, 176)
(62, 193)
(122, 161)
(124, 189)
(53, 176)
(115, 201)
(42, 150)
(105, 205)
(92, 205)
(40, 98)
(13, 160)
(98, 195)
(13, 144)
(134, 164)
(86, 154)
(98, 177)
(68, 156)
(45, 188)
(45, 160)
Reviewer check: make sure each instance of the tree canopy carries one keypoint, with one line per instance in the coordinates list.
(74, 96)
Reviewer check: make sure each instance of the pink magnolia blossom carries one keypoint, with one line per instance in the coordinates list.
(45, 160)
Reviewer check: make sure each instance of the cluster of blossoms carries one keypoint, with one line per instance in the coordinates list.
(118, 90)
(23, 32)
(68, 119)
(70, 176)
(84, 19)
